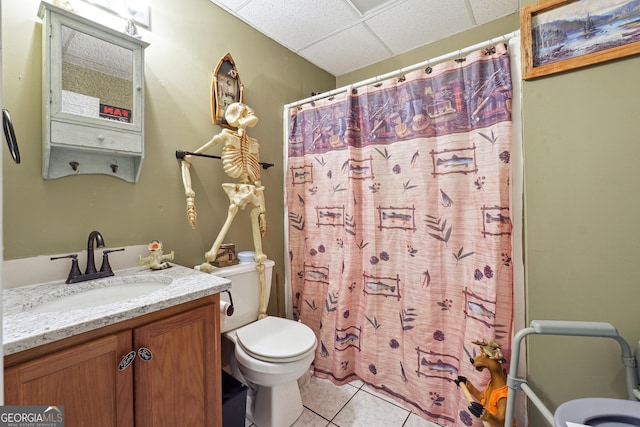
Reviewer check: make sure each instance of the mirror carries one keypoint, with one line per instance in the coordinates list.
(97, 77)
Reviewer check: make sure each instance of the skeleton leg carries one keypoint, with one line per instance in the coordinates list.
(212, 253)
(259, 259)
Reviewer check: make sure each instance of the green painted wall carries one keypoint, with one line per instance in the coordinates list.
(582, 151)
(189, 37)
(581, 159)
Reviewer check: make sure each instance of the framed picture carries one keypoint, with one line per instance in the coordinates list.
(560, 35)
(226, 88)
(138, 10)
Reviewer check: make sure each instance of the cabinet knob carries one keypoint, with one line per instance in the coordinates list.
(100, 138)
(145, 354)
(139, 87)
(126, 360)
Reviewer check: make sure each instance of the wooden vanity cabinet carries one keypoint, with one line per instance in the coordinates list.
(178, 385)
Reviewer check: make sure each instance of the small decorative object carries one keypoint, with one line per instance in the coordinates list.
(65, 4)
(156, 259)
(492, 405)
(226, 255)
(226, 89)
(246, 256)
(137, 10)
(560, 35)
(131, 28)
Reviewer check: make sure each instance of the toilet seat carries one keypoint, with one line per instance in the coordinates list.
(277, 340)
(599, 412)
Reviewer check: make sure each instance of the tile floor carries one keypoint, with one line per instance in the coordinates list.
(351, 405)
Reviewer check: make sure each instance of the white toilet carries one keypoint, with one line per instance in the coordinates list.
(267, 355)
(600, 412)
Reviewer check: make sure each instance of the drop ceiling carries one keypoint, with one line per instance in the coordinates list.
(341, 36)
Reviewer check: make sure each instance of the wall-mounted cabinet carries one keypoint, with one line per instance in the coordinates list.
(93, 97)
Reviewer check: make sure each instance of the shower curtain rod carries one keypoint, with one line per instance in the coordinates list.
(401, 71)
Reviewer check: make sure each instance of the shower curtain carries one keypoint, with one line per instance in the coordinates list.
(399, 230)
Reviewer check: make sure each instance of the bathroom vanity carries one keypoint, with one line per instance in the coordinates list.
(152, 360)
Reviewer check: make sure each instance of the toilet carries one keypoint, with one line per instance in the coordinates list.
(599, 412)
(267, 355)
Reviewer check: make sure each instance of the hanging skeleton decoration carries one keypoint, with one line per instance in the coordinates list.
(240, 159)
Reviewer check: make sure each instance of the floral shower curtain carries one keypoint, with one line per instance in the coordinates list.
(400, 232)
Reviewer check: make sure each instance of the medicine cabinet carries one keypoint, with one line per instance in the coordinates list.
(93, 97)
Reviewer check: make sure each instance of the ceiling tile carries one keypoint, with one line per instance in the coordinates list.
(490, 10)
(366, 6)
(336, 37)
(346, 51)
(298, 23)
(418, 22)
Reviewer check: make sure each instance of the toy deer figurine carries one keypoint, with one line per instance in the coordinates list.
(493, 399)
(156, 260)
(240, 159)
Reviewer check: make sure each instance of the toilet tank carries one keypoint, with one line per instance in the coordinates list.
(245, 290)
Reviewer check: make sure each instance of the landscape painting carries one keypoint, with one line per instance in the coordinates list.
(559, 35)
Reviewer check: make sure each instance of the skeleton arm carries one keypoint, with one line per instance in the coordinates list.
(185, 166)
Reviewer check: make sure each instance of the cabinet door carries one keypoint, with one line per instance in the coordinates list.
(84, 379)
(180, 384)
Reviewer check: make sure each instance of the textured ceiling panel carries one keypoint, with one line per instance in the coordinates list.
(368, 6)
(490, 10)
(331, 33)
(419, 22)
(298, 23)
(356, 47)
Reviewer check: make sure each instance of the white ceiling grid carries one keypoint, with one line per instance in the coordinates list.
(341, 36)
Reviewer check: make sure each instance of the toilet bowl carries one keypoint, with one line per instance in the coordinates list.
(599, 412)
(270, 355)
(267, 355)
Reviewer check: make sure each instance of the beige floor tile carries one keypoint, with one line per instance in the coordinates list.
(310, 419)
(365, 409)
(357, 383)
(415, 421)
(382, 396)
(325, 398)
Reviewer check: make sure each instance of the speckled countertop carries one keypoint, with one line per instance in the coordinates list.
(24, 329)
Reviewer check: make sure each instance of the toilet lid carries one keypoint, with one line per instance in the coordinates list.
(274, 338)
(595, 411)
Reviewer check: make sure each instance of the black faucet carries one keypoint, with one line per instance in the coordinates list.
(90, 273)
(94, 238)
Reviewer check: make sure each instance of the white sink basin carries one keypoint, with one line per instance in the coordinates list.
(116, 291)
